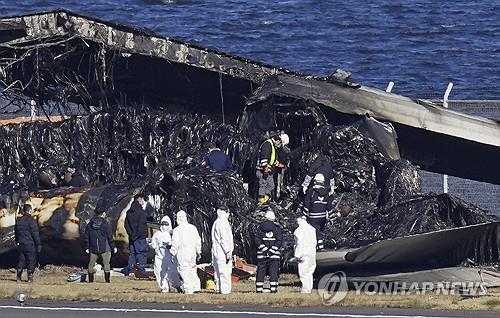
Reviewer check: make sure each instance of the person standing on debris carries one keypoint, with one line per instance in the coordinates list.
(98, 242)
(28, 243)
(217, 160)
(165, 267)
(322, 165)
(222, 250)
(305, 253)
(318, 206)
(266, 163)
(137, 230)
(186, 248)
(268, 239)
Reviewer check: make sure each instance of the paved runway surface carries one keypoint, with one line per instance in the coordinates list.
(120, 310)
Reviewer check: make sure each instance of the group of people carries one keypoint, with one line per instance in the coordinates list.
(318, 188)
(178, 249)
(318, 185)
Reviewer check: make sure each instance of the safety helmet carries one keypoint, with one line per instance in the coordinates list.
(319, 178)
(270, 215)
(285, 140)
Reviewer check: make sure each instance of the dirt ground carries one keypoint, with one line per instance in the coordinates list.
(51, 284)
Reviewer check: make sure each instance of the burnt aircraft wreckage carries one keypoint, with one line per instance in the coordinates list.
(138, 110)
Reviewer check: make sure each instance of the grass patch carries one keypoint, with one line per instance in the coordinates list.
(51, 284)
(492, 302)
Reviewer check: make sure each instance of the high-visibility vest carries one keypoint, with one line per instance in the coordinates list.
(268, 161)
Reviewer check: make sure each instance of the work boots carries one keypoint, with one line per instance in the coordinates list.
(91, 277)
(263, 199)
(107, 277)
(19, 273)
(30, 277)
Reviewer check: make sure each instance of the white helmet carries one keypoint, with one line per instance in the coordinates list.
(285, 140)
(270, 215)
(319, 178)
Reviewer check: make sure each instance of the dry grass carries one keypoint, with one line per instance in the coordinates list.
(50, 284)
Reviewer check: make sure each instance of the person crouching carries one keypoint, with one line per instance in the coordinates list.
(99, 243)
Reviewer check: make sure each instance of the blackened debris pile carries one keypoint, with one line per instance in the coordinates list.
(110, 148)
(199, 194)
(158, 145)
(400, 180)
(421, 214)
(356, 159)
(378, 198)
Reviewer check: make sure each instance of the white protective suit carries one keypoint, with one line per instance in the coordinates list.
(186, 245)
(222, 251)
(165, 267)
(305, 253)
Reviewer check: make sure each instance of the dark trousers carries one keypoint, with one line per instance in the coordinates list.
(137, 254)
(319, 225)
(26, 259)
(269, 267)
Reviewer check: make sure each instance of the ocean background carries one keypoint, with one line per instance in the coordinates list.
(420, 45)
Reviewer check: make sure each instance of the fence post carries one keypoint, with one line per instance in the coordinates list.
(445, 105)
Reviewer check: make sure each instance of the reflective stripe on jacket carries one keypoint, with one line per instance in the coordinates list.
(268, 240)
(267, 154)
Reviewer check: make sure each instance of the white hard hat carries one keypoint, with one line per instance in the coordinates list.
(270, 215)
(285, 140)
(319, 178)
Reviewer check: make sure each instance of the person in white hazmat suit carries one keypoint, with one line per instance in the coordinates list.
(186, 248)
(222, 250)
(165, 266)
(305, 253)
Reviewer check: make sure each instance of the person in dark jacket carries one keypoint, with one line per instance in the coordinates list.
(321, 165)
(268, 239)
(137, 230)
(217, 160)
(28, 243)
(318, 206)
(78, 179)
(99, 242)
